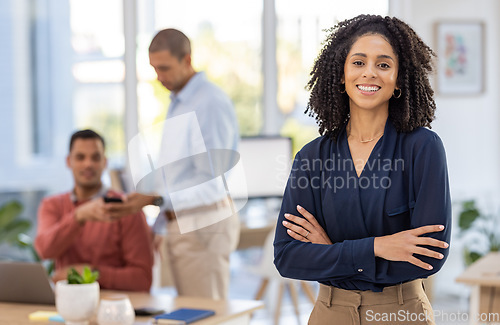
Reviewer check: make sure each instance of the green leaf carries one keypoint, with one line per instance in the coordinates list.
(24, 240)
(468, 215)
(87, 276)
(50, 267)
(9, 212)
(475, 256)
(471, 257)
(74, 277)
(34, 253)
(13, 229)
(93, 277)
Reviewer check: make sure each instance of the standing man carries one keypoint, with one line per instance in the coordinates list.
(76, 229)
(199, 257)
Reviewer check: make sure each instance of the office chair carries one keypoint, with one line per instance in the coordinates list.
(268, 272)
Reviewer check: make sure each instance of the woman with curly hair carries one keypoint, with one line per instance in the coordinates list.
(366, 210)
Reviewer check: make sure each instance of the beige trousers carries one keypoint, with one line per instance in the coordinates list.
(199, 259)
(404, 303)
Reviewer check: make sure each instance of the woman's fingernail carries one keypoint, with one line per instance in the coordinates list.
(285, 223)
(441, 227)
(446, 245)
(441, 256)
(430, 267)
(287, 215)
(299, 207)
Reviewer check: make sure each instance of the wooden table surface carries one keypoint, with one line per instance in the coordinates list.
(17, 314)
(485, 271)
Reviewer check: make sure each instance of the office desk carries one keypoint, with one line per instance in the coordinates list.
(233, 312)
(484, 277)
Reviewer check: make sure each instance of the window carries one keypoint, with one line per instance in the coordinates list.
(64, 70)
(226, 46)
(98, 100)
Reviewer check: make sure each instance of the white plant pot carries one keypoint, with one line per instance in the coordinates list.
(77, 303)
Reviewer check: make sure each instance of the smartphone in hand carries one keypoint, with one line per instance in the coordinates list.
(109, 199)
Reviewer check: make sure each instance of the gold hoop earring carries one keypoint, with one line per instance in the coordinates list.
(394, 93)
(343, 91)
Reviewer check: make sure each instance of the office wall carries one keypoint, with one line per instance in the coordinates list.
(468, 125)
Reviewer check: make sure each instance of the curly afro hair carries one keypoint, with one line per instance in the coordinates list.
(328, 101)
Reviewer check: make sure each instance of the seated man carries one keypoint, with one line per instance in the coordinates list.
(75, 228)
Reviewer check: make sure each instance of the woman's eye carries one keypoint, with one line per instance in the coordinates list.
(384, 66)
(357, 63)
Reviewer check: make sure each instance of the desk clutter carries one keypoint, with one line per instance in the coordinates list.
(233, 311)
(183, 316)
(44, 316)
(112, 310)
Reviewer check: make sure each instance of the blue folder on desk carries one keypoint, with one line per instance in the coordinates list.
(183, 316)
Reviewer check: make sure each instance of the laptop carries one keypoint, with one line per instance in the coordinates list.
(25, 283)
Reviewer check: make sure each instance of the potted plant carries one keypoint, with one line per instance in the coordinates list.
(13, 231)
(13, 228)
(77, 297)
(479, 232)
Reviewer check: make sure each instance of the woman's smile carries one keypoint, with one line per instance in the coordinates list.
(367, 89)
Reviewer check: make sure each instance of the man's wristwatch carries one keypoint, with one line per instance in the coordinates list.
(158, 201)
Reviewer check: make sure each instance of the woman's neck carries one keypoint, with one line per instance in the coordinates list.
(366, 126)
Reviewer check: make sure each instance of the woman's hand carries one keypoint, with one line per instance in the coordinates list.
(402, 245)
(306, 230)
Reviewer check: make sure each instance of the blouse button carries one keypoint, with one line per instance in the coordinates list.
(360, 270)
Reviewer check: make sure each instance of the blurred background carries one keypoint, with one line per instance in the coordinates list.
(73, 64)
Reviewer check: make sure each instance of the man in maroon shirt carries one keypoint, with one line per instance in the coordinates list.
(75, 229)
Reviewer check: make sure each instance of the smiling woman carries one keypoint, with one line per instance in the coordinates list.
(378, 229)
(370, 74)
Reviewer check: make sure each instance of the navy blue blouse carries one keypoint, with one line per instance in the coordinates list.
(404, 185)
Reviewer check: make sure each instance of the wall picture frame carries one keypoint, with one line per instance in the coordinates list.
(459, 47)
